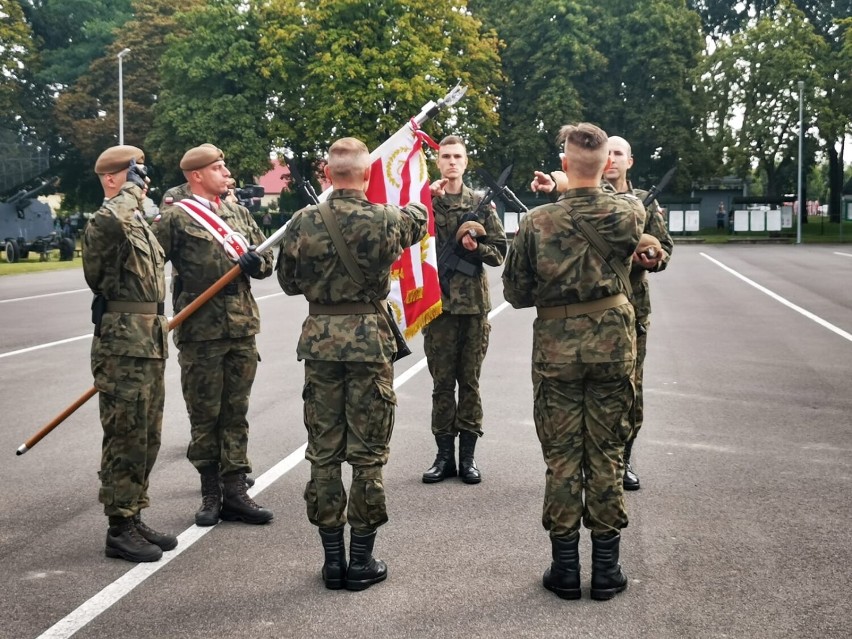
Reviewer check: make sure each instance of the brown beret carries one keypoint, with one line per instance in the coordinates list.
(117, 158)
(474, 229)
(200, 156)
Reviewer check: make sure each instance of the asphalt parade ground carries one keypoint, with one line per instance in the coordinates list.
(741, 528)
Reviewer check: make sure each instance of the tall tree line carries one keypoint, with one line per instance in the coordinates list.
(707, 85)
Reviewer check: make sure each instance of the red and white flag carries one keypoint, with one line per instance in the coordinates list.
(399, 175)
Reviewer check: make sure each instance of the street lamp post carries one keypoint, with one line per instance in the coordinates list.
(121, 55)
(800, 197)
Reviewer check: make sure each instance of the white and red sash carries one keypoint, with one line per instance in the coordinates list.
(234, 243)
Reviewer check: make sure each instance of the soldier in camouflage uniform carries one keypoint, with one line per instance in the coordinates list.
(123, 265)
(584, 347)
(218, 355)
(348, 349)
(456, 341)
(616, 177)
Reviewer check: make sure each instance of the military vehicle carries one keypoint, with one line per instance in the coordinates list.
(26, 225)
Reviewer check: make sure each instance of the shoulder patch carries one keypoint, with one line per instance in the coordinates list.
(168, 200)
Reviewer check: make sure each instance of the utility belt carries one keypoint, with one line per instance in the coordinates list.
(581, 308)
(101, 305)
(140, 308)
(346, 308)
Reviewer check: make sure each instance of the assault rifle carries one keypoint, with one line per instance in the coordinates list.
(302, 185)
(453, 257)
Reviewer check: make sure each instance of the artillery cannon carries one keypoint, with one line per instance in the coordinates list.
(26, 224)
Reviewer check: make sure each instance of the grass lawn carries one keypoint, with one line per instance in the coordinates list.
(33, 263)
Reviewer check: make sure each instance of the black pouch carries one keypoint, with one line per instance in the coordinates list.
(99, 304)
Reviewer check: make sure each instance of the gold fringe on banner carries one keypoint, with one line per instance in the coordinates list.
(426, 317)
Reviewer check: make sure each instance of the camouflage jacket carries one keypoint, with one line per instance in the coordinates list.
(309, 265)
(552, 264)
(198, 260)
(123, 261)
(468, 295)
(655, 225)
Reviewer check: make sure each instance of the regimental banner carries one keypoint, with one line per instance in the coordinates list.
(399, 175)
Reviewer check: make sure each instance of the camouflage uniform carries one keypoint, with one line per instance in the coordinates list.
(123, 262)
(218, 355)
(581, 365)
(348, 394)
(456, 341)
(655, 225)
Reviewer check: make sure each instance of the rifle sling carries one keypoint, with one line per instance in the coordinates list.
(600, 245)
(346, 256)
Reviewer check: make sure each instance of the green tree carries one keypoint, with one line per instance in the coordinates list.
(16, 55)
(648, 91)
(73, 33)
(87, 115)
(750, 79)
(549, 53)
(363, 67)
(212, 91)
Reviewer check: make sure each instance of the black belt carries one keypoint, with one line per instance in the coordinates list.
(140, 308)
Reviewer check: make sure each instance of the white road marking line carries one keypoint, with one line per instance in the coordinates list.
(38, 297)
(87, 335)
(92, 608)
(89, 610)
(843, 254)
(785, 302)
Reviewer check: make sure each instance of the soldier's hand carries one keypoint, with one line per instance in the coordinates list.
(250, 262)
(542, 183)
(437, 187)
(469, 242)
(137, 174)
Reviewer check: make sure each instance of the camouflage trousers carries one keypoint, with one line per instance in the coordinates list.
(455, 348)
(216, 377)
(349, 415)
(131, 396)
(638, 413)
(582, 418)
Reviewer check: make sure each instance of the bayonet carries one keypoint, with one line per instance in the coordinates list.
(656, 190)
(500, 188)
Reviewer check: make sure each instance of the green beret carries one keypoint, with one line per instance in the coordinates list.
(201, 156)
(117, 158)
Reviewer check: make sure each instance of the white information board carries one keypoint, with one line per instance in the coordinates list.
(758, 220)
(510, 222)
(740, 221)
(691, 221)
(773, 220)
(675, 221)
(786, 216)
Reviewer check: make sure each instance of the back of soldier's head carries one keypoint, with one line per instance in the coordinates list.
(585, 149)
(348, 159)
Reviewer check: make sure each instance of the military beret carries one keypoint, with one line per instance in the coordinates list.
(117, 158)
(201, 156)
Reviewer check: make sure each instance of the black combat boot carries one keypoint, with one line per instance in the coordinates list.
(164, 541)
(631, 479)
(334, 568)
(238, 506)
(445, 462)
(123, 541)
(364, 570)
(563, 576)
(211, 498)
(468, 471)
(608, 579)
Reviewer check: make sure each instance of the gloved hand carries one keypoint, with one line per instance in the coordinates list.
(138, 175)
(250, 262)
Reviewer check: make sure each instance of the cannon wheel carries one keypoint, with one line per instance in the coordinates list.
(11, 252)
(66, 249)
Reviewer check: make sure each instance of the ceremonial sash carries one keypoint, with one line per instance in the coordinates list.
(234, 243)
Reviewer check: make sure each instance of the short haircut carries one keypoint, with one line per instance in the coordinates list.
(585, 147)
(453, 139)
(348, 158)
